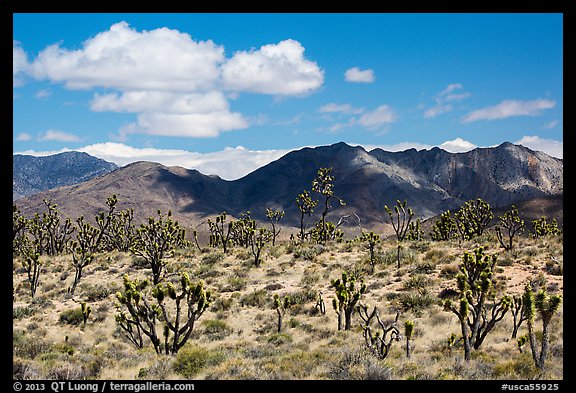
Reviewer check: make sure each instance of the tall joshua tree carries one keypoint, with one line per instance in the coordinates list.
(513, 225)
(323, 185)
(156, 241)
(472, 218)
(306, 205)
(546, 306)
(347, 294)
(475, 286)
(401, 223)
(274, 216)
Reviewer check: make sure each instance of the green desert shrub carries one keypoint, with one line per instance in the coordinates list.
(73, 316)
(191, 360)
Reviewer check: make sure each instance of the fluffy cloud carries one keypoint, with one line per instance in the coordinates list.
(550, 124)
(19, 63)
(357, 75)
(44, 93)
(175, 85)
(56, 135)
(549, 146)
(24, 136)
(340, 108)
(197, 125)
(377, 118)
(151, 101)
(509, 108)
(437, 110)
(279, 69)
(457, 145)
(125, 59)
(442, 99)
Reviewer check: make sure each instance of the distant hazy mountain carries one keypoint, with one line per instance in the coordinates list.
(33, 174)
(432, 181)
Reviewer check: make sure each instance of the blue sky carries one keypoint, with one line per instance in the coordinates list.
(226, 93)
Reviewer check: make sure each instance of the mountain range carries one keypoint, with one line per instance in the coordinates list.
(432, 181)
(32, 175)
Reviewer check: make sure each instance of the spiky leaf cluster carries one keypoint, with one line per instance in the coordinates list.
(190, 301)
(445, 228)
(415, 231)
(472, 218)
(323, 185)
(540, 227)
(157, 240)
(347, 291)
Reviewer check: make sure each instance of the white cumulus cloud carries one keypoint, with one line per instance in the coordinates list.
(457, 145)
(123, 58)
(23, 136)
(551, 147)
(442, 99)
(19, 63)
(380, 116)
(340, 108)
(57, 135)
(509, 108)
(279, 69)
(357, 75)
(176, 85)
(197, 125)
(550, 124)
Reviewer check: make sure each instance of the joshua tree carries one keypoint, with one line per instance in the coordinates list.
(513, 224)
(518, 313)
(403, 217)
(258, 239)
(541, 227)
(83, 249)
(444, 228)
(475, 287)
(378, 343)
(241, 230)
(372, 239)
(122, 231)
(158, 240)
(58, 235)
(408, 331)
(19, 224)
(281, 306)
(195, 300)
(274, 216)
(472, 218)
(546, 307)
(347, 295)
(89, 239)
(142, 316)
(323, 184)
(415, 232)
(306, 205)
(33, 265)
(220, 232)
